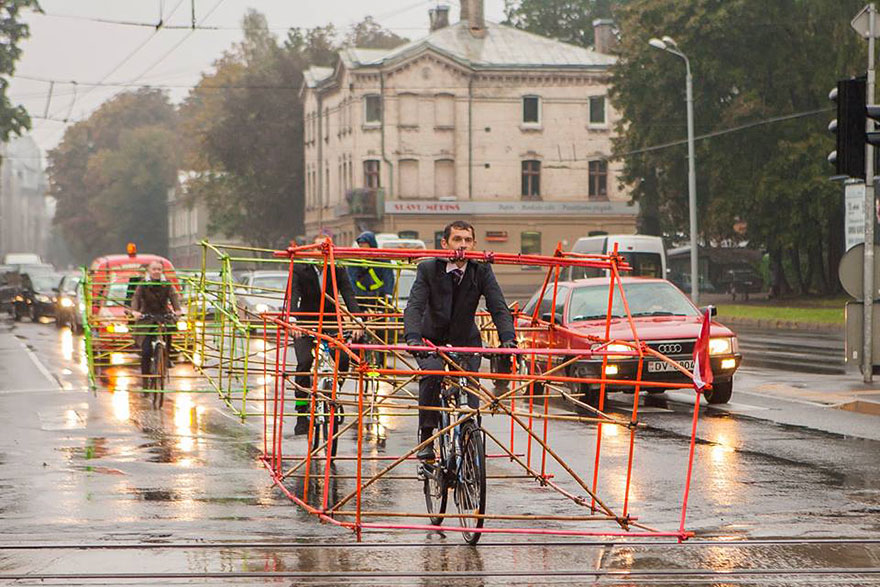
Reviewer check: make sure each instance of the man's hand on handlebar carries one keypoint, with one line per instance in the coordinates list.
(418, 354)
(509, 344)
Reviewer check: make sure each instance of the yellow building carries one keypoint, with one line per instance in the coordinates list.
(508, 130)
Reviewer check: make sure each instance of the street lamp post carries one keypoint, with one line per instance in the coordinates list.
(669, 45)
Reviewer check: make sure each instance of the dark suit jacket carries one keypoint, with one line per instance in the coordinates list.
(429, 312)
(305, 292)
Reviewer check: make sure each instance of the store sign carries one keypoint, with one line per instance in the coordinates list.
(514, 208)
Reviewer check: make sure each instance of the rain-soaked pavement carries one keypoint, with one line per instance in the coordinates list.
(99, 488)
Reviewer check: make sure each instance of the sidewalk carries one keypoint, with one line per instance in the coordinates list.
(844, 392)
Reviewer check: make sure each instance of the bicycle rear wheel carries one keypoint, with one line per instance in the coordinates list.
(470, 487)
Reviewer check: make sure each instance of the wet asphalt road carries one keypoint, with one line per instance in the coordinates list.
(104, 469)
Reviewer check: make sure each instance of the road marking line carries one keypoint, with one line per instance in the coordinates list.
(40, 366)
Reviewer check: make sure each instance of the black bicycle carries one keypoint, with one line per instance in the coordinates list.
(157, 378)
(323, 402)
(460, 463)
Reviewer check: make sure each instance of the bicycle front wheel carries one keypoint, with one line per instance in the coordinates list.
(160, 374)
(470, 488)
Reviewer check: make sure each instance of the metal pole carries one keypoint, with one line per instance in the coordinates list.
(692, 185)
(868, 286)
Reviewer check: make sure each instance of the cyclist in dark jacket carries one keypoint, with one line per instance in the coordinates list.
(155, 297)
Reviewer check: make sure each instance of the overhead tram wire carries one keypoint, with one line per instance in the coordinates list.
(129, 56)
(148, 69)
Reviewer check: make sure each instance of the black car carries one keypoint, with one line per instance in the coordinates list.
(36, 297)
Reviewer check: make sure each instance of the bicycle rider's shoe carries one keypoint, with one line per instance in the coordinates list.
(426, 454)
(302, 426)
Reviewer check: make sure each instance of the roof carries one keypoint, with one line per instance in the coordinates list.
(502, 47)
(315, 75)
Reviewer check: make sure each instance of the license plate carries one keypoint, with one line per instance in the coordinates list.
(663, 367)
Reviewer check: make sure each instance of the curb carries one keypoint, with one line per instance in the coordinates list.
(780, 324)
(860, 406)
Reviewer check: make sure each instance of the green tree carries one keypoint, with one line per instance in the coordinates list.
(13, 119)
(244, 122)
(570, 21)
(370, 35)
(752, 61)
(242, 126)
(111, 173)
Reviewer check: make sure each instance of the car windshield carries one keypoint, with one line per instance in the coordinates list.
(117, 294)
(269, 282)
(653, 298)
(70, 284)
(45, 282)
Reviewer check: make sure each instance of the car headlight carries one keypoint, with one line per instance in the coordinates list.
(66, 303)
(117, 328)
(182, 325)
(720, 346)
(261, 308)
(42, 298)
(618, 347)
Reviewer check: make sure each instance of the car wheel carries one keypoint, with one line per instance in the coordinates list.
(584, 394)
(720, 392)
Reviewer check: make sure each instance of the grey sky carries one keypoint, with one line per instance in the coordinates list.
(65, 45)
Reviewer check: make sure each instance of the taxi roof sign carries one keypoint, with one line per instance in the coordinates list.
(131, 249)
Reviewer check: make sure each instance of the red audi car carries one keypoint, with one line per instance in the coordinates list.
(665, 319)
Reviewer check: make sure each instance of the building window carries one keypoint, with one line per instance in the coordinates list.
(597, 110)
(438, 239)
(409, 178)
(531, 179)
(531, 242)
(444, 178)
(372, 109)
(408, 234)
(371, 174)
(408, 110)
(598, 179)
(531, 110)
(444, 111)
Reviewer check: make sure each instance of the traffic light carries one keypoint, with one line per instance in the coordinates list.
(849, 157)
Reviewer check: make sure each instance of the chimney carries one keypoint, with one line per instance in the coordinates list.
(604, 39)
(439, 17)
(472, 12)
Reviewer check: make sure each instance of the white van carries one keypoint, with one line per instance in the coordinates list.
(645, 254)
(22, 259)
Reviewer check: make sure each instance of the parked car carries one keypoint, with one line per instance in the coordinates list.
(665, 320)
(740, 281)
(70, 303)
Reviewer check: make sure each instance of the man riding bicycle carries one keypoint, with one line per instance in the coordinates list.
(155, 297)
(306, 292)
(441, 310)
